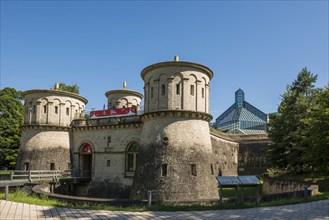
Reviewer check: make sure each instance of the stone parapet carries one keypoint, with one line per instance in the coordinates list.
(178, 114)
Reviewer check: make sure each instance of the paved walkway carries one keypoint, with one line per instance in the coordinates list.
(312, 210)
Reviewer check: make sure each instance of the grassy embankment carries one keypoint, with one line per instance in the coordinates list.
(23, 197)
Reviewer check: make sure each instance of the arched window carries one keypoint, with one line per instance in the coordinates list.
(132, 156)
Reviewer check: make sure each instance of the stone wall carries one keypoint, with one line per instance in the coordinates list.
(52, 107)
(250, 154)
(177, 86)
(226, 156)
(176, 160)
(110, 177)
(43, 148)
(123, 98)
(275, 186)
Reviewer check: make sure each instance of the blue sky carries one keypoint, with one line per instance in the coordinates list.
(258, 46)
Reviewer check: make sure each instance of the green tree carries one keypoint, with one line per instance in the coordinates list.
(288, 128)
(11, 117)
(69, 88)
(317, 132)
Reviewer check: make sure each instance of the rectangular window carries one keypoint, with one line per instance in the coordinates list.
(178, 89)
(45, 109)
(202, 92)
(34, 109)
(67, 111)
(163, 89)
(109, 140)
(26, 166)
(192, 90)
(108, 163)
(56, 109)
(164, 168)
(151, 92)
(193, 169)
(212, 169)
(52, 166)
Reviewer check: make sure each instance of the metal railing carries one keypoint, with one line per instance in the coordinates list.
(36, 175)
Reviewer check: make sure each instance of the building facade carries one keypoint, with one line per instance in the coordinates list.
(242, 118)
(125, 151)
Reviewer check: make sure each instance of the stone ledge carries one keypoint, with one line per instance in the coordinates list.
(27, 127)
(101, 127)
(177, 113)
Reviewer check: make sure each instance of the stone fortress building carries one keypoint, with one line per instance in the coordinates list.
(124, 151)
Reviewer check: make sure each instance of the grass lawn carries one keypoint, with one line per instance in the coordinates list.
(23, 197)
(247, 191)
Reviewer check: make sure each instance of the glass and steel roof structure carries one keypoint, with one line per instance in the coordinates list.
(242, 118)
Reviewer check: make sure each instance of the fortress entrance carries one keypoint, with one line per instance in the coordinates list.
(86, 161)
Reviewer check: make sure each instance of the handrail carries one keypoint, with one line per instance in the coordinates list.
(31, 175)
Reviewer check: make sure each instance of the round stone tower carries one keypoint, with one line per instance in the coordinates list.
(45, 143)
(123, 98)
(176, 161)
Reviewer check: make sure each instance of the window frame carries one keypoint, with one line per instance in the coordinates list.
(192, 90)
(131, 158)
(193, 170)
(178, 89)
(163, 89)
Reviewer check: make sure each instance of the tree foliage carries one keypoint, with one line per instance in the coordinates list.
(11, 117)
(298, 126)
(317, 131)
(69, 88)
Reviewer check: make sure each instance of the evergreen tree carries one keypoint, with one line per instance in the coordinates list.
(11, 117)
(318, 132)
(288, 128)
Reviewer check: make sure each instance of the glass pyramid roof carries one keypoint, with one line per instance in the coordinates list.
(242, 116)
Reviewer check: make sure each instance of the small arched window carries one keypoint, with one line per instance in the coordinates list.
(132, 156)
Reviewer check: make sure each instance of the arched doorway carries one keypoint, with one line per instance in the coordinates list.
(86, 152)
